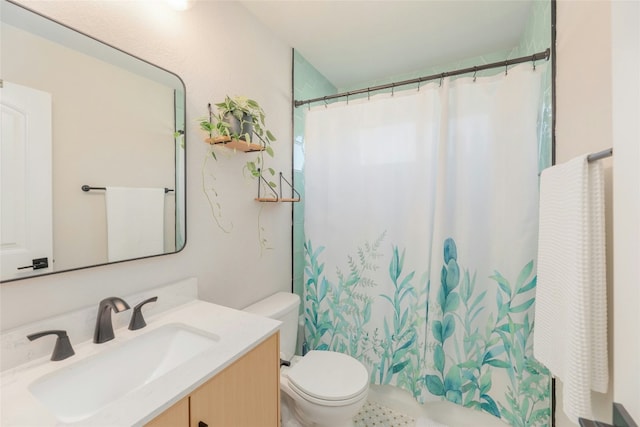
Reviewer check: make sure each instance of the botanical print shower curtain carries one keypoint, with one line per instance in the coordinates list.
(421, 237)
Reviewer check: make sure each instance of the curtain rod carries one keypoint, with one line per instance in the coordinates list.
(535, 57)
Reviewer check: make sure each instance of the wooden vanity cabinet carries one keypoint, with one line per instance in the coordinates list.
(176, 416)
(245, 394)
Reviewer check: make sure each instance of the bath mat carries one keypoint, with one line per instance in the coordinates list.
(426, 422)
(374, 415)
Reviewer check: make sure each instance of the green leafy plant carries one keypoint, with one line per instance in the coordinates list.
(401, 347)
(528, 392)
(476, 340)
(246, 111)
(350, 303)
(336, 313)
(240, 118)
(450, 383)
(505, 345)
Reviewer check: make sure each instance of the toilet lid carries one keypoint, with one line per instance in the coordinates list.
(329, 375)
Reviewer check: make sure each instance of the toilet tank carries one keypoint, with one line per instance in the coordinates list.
(281, 306)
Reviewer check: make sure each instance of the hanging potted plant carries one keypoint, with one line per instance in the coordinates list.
(238, 123)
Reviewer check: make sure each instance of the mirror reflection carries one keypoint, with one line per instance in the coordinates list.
(77, 112)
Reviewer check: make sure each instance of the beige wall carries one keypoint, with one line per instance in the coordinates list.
(217, 48)
(583, 123)
(626, 175)
(591, 117)
(110, 128)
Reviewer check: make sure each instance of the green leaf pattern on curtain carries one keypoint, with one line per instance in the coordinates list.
(451, 342)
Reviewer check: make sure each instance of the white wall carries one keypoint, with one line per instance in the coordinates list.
(217, 48)
(625, 18)
(597, 108)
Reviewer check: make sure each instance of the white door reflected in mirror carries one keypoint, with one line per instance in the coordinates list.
(25, 185)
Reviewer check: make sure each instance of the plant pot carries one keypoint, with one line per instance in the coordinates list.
(240, 128)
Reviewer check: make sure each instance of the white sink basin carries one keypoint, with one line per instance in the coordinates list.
(80, 390)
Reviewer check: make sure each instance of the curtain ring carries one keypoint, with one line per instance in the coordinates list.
(368, 94)
(506, 67)
(347, 99)
(393, 88)
(475, 70)
(308, 106)
(533, 59)
(325, 102)
(441, 79)
(418, 85)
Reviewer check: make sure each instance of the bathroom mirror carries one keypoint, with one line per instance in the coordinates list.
(78, 112)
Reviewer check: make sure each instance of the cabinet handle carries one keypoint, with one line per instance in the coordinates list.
(202, 424)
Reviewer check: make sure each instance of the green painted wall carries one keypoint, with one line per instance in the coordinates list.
(307, 83)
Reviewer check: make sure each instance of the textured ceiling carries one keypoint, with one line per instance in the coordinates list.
(351, 42)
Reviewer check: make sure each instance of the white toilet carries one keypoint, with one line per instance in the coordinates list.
(325, 388)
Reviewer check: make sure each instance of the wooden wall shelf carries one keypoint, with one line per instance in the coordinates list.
(235, 144)
(275, 200)
(278, 197)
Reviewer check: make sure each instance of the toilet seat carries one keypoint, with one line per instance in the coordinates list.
(329, 378)
(327, 403)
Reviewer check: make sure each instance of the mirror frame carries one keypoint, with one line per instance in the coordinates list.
(179, 174)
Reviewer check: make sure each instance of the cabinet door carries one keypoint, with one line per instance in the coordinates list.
(246, 394)
(175, 416)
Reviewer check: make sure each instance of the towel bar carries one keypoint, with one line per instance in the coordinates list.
(89, 188)
(600, 155)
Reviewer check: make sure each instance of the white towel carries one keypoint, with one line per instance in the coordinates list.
(570, 334)
(135, 222)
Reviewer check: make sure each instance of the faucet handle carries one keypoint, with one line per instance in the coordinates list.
(62, 349)
(137, 320)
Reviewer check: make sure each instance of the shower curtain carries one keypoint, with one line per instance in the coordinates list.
(421, 237)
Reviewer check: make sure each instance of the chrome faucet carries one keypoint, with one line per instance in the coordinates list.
(104, 327)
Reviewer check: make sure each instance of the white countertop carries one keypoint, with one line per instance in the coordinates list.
(239, 332)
